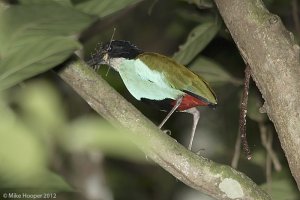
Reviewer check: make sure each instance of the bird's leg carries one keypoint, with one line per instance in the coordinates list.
(178, 102)
(196, 117)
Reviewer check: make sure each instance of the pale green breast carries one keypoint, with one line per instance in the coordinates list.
(178, 76)
(144, 82)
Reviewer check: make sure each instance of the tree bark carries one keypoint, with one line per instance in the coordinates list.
(273, 56)
(216, 180)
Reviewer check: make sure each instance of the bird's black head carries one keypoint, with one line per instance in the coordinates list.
(121, 49)
(114, 49)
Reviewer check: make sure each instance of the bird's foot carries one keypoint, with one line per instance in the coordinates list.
(167, 131)
(199, 152)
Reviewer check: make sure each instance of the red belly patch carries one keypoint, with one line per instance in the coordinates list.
(189, 101)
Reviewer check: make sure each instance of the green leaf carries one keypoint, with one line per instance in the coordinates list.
(104, 7)
(259, 157)
(212, 71)
(20, 23)
(195, 15)
(34, 58)
(21, 154)
(24, 158)
(197, 40)
(35, 38)
(62, 2)
(283, 189)
(201, 3)
(49, 181)
(40, 100)
(91, 133)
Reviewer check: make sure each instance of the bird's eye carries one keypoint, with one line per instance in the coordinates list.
(109, 49)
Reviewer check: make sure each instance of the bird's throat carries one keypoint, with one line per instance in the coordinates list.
(115, 63)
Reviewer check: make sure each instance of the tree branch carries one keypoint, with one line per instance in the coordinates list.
(273, 56)
(219, 181)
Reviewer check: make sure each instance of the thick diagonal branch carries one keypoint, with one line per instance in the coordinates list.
(219, 181)
(273, 56)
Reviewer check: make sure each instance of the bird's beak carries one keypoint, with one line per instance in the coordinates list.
(102, 59)
(105, 59)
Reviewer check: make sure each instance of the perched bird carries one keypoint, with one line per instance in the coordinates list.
(158, 80)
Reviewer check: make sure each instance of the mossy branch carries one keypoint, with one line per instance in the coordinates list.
(219, 181)
(274, 59)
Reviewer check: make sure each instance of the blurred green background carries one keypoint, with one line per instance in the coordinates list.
(52, 141)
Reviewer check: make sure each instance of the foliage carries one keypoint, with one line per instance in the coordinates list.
(212, 71)
(38, 35)
(105, 7)
(197, 40)
(23, 155)
(35, 38)
(30, 133)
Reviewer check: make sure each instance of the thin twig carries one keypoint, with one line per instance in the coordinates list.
(152, 6)
(237, 152)
(269, 163)
(268, 146)
(243, 113)
(269, 173)
(267, 140)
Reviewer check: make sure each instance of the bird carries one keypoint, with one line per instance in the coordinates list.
(157, 80)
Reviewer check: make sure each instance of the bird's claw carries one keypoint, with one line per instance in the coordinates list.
(167, 131)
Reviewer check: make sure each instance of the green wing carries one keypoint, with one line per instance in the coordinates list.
(178, 76)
